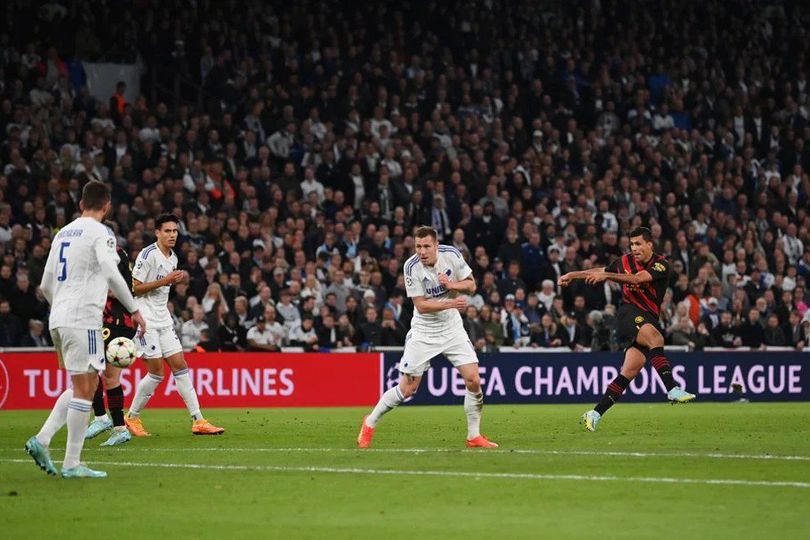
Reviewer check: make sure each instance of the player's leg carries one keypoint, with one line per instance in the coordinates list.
(461, 353)
(101, 422)
(634, 360)
(650, 337)
(37, 446)
(413, 364)
(391, 399)
(149, 349)
(115, 402)
(177, 363)
(84, 358)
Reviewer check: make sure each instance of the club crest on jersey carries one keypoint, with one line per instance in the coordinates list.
(639, 319)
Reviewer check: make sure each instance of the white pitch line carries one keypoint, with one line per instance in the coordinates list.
(452, 474)
(594, 453)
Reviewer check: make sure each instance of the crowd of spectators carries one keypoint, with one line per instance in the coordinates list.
(533, 136)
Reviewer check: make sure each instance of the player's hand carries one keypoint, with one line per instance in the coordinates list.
(460, 303)
(565, 280)
(445, 282)
(137, 318)
(174, 277)
(595, 278)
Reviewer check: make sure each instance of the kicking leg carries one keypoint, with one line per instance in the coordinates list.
(650, 337)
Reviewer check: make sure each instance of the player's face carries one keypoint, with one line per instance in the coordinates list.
(428, 250)
(167, 234)
(642, 250)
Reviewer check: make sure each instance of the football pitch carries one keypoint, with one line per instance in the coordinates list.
(696, 471)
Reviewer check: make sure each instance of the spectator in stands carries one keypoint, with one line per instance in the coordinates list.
(231, 336)
(355, 144)
(260, 338)
(393, 332)
(10, 326)
(303, 334)
(774, 335)
(190, 334)
(35, 336)
(724, 334)
(370, 331)
(545, 334)
(751, 330)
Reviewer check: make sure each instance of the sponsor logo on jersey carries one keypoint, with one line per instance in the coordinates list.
(658, 267)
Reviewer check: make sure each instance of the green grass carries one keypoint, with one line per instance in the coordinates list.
(267, 493)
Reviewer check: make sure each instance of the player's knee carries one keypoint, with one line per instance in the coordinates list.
(407, 390)
(156, 368)
(473, 383)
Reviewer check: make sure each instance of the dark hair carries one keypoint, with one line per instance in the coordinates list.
(95, 195)
(643, 232)
(424, 231)
(165, 218)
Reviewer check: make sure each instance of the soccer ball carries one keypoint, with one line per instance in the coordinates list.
(121, 352)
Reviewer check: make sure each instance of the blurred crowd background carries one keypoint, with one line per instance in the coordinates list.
(300, 143)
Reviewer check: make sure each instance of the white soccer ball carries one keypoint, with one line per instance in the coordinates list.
(121, 352)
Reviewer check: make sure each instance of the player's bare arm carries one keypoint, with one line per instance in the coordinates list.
(566, 279)
(423, 305)
(630, 279)
(464, 286)
(142, 288)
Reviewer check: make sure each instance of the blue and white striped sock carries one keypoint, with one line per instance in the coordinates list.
(78, 411)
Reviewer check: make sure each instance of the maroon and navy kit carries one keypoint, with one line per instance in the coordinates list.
(641, 304)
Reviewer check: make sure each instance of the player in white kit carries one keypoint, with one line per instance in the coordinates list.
(81, 267)
(154, 274)
(433, 277)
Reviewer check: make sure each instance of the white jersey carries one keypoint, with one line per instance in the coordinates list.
(152, 265)
(79, 288)
(423, 280)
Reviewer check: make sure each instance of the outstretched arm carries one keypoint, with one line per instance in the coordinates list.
(630, 279)
(566, 279)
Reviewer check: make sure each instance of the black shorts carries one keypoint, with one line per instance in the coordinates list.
(109, 333)
(630, 319)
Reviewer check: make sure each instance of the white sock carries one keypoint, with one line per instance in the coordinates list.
(390, 399)
(77, 427)
(146, 388)
(188, 393)
(473, 404)
(56, 419)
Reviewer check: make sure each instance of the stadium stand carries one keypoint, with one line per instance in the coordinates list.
(301, 142)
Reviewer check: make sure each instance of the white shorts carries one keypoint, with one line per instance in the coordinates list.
(79, 350)
(158, 342)
(420, 350)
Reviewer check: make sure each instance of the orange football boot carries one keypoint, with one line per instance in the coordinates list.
(481, 442)
(204, 427)
(135, 426)
(365, 436)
